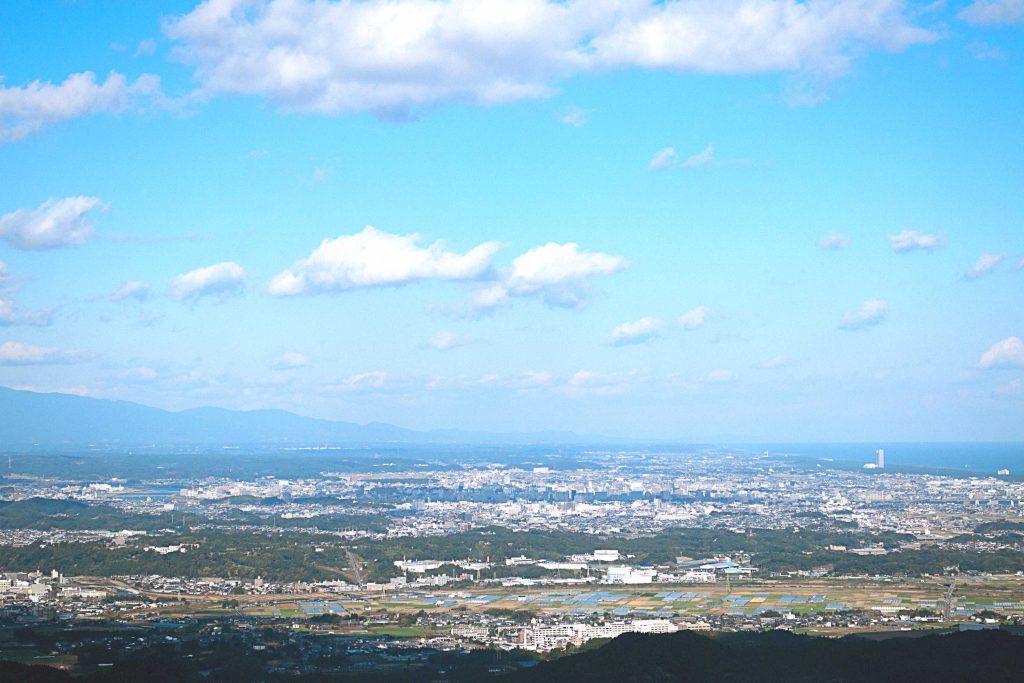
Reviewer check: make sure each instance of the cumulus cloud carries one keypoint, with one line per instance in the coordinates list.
(1006, 353)
(132, 289)
(532, 379)
(691, 320)
(30, 108)
(780, 361)
(984, 265)
(10, 314)
(869, 314)
(909, 240)
(993, 12)
(392, 58)
(291, 360)
(219, 280)
(373, 258)
(636, 332)
(16, 353)
(54, 223)
(589, 383)
(7, 312)
(664, 159)
(446, 341)
(558, 274)
(574, 116)
(834, 241)
(360, 382)
(702, 158)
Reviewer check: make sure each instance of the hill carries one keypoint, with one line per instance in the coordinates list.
(31, 419)
(781, 657)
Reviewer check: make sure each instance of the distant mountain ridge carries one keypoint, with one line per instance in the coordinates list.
(41, 419)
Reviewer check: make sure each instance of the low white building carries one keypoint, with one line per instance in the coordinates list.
(629, 575)
(543, 637)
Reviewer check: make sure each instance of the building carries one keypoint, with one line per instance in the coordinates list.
(880, 458)
(626, 574)
(550, 636)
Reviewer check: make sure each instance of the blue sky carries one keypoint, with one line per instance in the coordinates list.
(685, 219)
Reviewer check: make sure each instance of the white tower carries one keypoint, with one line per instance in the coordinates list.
(880, 458)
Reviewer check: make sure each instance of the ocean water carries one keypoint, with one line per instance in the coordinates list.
(970, 457)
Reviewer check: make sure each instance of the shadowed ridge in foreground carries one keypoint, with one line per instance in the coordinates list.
(784, 657)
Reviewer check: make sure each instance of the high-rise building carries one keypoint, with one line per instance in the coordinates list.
(880, 458)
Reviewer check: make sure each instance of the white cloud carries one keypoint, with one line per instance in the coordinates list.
(984, 52)
(869, 314)
(664, 159)
(532, 379)
(575, 117)
(1006, 353)
(74, 391)
(588, 383)
(1012, 388)
(720, 376)
(373, 258)
(291, 360)
(139, 374)
(993, 12)
(780, 361)
(55, 223)
(558, 274)
(146, 47)
(446, 341)
(220, 279)
(16, 353)
(10, 315)
(490, 297)
(30, 108)
(691, 320)
(395, 57)
(363, 381)
(9, 312)
(702, 158)
(834, 240)
(984, 265)
(319, 176)
(636, 332)
(908, 240)
(1020, 264)
(132, 289)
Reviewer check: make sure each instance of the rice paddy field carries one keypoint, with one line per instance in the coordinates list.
(1004, 594)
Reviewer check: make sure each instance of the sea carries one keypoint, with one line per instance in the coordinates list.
(970, 457)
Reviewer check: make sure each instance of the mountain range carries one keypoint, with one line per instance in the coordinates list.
(32, 419)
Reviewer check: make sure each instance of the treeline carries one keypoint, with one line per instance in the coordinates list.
(241, 555)
(310, 557)
(903, 563)
(499, 544)
(46, 514)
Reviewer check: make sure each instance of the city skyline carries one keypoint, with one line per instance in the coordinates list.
(803, 223)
